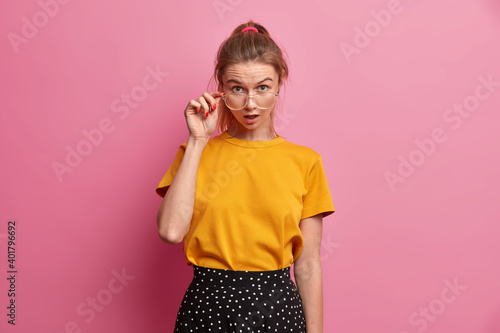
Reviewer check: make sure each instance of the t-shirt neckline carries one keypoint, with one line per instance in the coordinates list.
(248, 143)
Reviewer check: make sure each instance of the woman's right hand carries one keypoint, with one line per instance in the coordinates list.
(200, 125)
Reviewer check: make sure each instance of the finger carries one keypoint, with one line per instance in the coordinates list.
(209, 100)
(217, 94)
(213, 98)
(204, 105)
(216, 97)
(194, 105)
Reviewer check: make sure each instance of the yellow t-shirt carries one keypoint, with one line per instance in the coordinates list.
(250, 197)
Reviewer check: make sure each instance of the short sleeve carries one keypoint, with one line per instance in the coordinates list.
(167, 179)
(317, 198)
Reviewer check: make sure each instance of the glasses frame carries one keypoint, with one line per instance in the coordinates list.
(248, 96)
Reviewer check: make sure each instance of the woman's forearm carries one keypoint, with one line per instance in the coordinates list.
(310, 286)
(176, 209)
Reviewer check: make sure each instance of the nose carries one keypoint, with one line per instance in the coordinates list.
(250, 103)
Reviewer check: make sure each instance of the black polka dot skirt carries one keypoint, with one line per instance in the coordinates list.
(220, 300)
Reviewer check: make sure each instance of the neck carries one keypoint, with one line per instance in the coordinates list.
(258, 134)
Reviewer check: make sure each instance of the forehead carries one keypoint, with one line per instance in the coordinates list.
(249, 72)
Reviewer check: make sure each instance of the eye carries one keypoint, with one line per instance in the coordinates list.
(236, 87)
(265, 87)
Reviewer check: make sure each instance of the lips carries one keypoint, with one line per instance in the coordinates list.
(251, 119)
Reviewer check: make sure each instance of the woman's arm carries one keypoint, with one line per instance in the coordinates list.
(176, 209)
(308, 273)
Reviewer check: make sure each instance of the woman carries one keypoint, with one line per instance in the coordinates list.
(247, 203)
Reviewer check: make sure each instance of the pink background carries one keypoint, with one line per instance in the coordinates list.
(390, 253)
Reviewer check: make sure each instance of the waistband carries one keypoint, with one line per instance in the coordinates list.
(217, 276)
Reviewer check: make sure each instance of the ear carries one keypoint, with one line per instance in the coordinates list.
(221, 83)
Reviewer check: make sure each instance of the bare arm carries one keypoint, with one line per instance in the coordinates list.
(176, 209)
(308, 273)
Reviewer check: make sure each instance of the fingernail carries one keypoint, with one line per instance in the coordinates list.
(221, 92)
(215, 106)
(206, 115)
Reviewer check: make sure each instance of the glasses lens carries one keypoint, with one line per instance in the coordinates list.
(236, 100)
(263, 99)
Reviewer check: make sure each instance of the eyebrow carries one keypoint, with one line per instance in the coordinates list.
(237, 82)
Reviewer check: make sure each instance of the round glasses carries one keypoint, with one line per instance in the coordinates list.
(238, 100)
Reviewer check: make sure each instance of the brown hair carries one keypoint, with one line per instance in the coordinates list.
(243, 47)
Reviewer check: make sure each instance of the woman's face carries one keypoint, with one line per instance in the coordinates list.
(248, 78)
